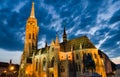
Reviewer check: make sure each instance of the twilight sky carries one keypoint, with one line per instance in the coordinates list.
(97, 19)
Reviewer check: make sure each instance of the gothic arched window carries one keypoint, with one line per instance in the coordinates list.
(30, 49)
(52, 62)
(44, 64)
(77, 56)
(62, 69)
(36, 64)
(33, 36)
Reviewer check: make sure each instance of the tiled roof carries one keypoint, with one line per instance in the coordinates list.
(75, 43)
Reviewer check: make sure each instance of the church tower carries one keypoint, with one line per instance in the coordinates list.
(31, 33)
(30, 45)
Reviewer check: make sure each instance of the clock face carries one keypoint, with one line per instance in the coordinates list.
(31, 23)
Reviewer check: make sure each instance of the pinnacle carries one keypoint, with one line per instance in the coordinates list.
(32, 15)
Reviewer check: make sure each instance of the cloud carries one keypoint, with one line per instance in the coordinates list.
(92, 31)
(56, 20)
(106, 37)
(107, 10)
(6, 56)
(19, 6)
(114, 26)
(118, 42)
(101, 42)
(99, 20)
(116, 60)
(42, 41)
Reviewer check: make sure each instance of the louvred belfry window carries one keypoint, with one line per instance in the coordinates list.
(29, 36)
(33, 36)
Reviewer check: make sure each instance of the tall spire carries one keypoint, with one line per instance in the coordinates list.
(46, 44)
(64, 35)
(32, 15)
(64, 30)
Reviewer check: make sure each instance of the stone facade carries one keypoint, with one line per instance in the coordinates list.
(71, 58)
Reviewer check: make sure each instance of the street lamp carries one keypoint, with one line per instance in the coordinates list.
(11, 68)
(5, 72)
(26, 73)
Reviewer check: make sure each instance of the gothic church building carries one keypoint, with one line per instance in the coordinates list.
(71, 58)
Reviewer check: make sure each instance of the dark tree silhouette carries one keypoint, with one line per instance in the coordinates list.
(88, 62)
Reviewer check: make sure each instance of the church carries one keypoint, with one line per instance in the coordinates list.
(77, 57)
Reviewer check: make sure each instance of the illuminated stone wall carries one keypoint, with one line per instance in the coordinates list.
(71, 58)
(62, 63)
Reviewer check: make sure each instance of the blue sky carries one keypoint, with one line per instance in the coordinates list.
(97, 19)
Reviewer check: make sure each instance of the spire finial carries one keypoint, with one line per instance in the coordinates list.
(46, 44)
(57, 41)
(80, 46)
(64, 24)
(64, 33)
(64, 30)
(10, 61)
(32, 15)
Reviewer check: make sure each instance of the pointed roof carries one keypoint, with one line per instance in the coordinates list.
(53, 42)
(74, 44)
(46, 44)
(32, 15)
(64, 35)
(56, 41)
(64, 30)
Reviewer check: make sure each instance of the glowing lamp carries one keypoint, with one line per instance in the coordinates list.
(11, 68)
(4, 71)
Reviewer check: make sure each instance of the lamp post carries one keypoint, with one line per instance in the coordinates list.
(26, 73)
(11, 69)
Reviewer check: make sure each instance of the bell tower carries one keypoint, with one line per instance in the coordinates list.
(31, 35)
(30, 45)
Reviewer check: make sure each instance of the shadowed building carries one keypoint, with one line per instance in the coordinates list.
(70, 58)
(9, 69)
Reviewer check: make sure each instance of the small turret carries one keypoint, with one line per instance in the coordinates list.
(46, 44)
(56, 41)
(64, 35)
(80, 46)
(10, 61)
